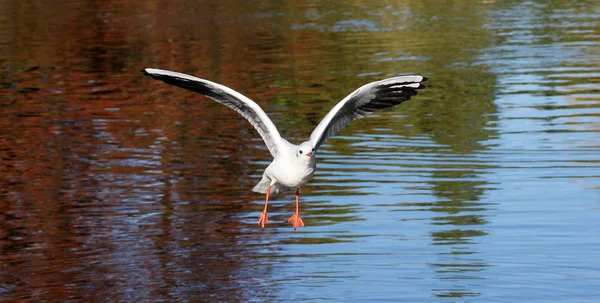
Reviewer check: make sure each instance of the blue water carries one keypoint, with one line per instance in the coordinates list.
(117, 188)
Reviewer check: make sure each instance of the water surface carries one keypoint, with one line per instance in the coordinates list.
(117, 188)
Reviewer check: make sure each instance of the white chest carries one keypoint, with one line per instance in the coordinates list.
(291, 173)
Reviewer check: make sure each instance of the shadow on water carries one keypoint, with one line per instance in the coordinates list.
(118, 188)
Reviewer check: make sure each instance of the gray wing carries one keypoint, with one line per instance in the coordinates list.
(228, 97)
(364, 101)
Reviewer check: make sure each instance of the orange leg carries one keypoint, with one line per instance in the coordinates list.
(296, 220)
(262, 219)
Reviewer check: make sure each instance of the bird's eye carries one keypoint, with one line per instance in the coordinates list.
(313, 150)
(301, 152)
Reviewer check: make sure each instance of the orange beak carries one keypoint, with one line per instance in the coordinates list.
(308, 154)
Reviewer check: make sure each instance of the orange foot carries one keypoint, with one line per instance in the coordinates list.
(296, 220)
(262, 219)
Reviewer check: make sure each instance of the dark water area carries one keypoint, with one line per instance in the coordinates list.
(117, 188)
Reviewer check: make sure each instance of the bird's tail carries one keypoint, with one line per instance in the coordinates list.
(261, 187)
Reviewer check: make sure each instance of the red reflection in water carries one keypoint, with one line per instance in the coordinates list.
(116, 188)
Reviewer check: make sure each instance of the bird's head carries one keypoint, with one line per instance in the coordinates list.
(305, 151)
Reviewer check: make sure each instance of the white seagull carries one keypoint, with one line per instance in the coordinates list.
(293, 165)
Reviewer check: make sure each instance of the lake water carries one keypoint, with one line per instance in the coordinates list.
(117, 188)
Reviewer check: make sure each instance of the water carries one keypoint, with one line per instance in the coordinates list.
(118, 188)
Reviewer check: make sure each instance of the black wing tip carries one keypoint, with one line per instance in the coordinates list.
(145, 72)
(421, 85)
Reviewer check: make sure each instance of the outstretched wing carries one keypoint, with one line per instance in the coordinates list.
(228, 97)
(364, 101)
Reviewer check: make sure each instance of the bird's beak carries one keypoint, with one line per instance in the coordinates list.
(309, 154)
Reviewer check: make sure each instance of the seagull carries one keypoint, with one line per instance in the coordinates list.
(293, 165)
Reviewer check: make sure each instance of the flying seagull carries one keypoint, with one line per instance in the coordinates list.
(293, 165)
